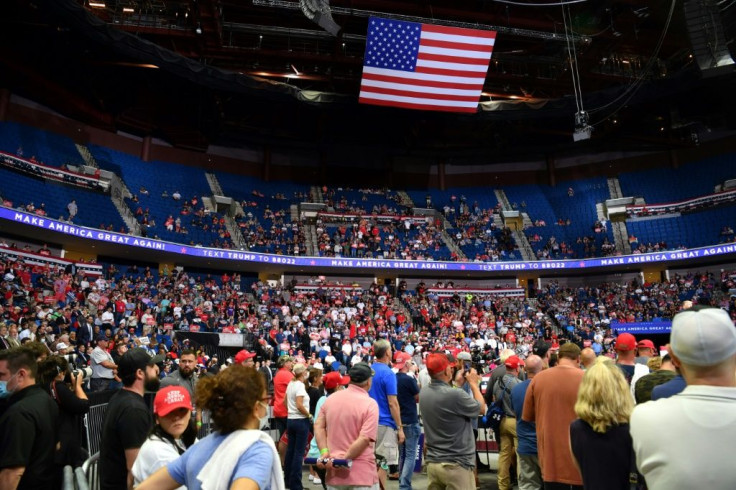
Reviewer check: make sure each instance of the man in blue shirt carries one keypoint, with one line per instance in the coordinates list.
(530, 473)
(408, 396)
(383, 390)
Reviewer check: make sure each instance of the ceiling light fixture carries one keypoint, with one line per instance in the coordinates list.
(97, 5)
(128, 10)
(198, 30)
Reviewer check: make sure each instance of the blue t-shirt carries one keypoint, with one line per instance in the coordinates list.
(408, 389)
(255, 463)
(525, 431)
(384, 385)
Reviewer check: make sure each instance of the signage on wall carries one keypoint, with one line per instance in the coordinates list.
(360, 263)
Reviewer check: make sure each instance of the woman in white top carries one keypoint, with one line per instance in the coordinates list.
(173, 433)
(297, 426)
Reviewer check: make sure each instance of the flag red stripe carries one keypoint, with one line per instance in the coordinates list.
(423, 95)
(423, 83)
(474, 75)
(427, 107)
(453, 59)
(458, 31)
(454, 45)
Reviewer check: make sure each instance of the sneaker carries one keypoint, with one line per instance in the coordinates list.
(317, 480)
(311, 477)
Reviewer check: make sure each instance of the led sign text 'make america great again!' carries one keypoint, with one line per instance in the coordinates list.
(359, 263)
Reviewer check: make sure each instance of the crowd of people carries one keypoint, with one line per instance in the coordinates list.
(371, 352)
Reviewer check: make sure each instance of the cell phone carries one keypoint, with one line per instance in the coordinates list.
(466, 366)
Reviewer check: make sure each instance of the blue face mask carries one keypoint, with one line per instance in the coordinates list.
(4, 393)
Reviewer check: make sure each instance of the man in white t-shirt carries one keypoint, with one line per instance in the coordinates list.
(699, 453)
(103, 366)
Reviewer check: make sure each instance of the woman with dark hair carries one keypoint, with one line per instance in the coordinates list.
(65, 387)
(173, 433)
(238, 456)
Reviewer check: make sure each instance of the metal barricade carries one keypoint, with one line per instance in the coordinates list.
(93, 427)
(68, 482)
(90, 473)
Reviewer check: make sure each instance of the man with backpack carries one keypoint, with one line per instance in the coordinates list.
(507, 439)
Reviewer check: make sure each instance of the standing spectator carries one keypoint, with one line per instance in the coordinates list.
(703, 345)
(646, 384)
(103, 365)
(498, 373)
(626, 360)
(670, 387)
(447, 413)
(280, 383)
(408, 396)
(265, 369)
(383, 390)
(186, 377)
(346, 428)
(530, 473)
(238, 455)
(73, 404)
(245, 358)
(297, 426)
(28, 425)
(550, 402)
(508, 438)
(333, 381)
(587, 357)
(646, 350)
(72, 208)
(127, 420)
(603, 408)
(172, 434)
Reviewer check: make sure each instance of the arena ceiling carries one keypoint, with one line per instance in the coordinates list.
(253, 72)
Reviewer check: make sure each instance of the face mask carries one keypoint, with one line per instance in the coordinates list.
(4, 391)
(263, 421)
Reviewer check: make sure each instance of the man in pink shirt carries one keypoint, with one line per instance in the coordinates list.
(346, 429)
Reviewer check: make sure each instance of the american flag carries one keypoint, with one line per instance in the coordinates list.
(424, 66)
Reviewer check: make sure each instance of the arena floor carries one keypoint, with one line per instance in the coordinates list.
(419, 482)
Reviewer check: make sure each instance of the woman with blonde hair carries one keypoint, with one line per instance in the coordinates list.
(238, 456)
(599, 439)
(297, 426)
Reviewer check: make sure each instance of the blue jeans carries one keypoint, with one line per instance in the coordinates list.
(408, 455)
(297, 431)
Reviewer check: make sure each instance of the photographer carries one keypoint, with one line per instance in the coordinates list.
(65, 387)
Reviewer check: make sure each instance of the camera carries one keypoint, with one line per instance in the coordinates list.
(70, 358)
(85, 372)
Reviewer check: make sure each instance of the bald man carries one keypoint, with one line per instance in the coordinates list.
(587, 357)
(530, 473)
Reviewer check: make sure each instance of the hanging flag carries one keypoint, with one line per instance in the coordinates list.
(424, 66)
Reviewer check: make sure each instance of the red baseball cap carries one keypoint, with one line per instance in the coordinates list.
(513, 362)
(169, 399)
(333, 379)
(243, 356)
(400, 360)
(625, 342)
(437, 362)
(645, 344)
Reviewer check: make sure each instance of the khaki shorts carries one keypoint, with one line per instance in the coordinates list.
(387, 446)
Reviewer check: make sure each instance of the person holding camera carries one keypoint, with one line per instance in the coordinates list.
(64, 384)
